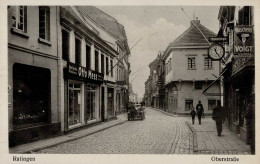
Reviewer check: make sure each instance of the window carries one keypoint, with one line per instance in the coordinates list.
(211, 104)
(102, 63)
(31, 95)
(65, 45)
(88, 62)
(198, 85)
(44, 23)
(107, 66)
(111, 65)
(78, 51)
(244, 16)
(188, 104)
(75, 103)
(96, 61)
(207, 63)
(19, 18)
(191, 63)
(110, 102)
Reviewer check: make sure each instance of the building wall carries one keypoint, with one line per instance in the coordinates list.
(180, 66)
(186, 91)
(25, 48)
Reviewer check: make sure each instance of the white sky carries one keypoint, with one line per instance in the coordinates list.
(157, 26)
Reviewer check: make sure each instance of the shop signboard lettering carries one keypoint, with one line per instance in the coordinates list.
(243, 40)
(243, 47)
(82, 72)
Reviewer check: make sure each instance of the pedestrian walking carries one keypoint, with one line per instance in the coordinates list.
(200, 111)
(250, 123)
(219, 116)
(193, 114)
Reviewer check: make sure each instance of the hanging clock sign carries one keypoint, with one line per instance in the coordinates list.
(216, 51)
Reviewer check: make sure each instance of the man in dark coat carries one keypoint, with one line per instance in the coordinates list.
(219, 115)
(200, 111)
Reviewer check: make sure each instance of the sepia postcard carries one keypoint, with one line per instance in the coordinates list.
(129, 81)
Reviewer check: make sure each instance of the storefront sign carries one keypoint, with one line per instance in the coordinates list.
(84, 73)
(218, 39)
(243, 40)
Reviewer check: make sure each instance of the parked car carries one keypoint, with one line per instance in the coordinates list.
(136, 112)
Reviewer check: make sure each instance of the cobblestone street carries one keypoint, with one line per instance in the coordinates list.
(157, 134)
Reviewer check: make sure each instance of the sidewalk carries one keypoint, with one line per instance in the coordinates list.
(41, 144)
(206, 140)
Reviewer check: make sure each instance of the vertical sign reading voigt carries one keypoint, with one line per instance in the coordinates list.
(243, 40)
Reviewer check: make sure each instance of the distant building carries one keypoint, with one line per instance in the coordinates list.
(189, 70)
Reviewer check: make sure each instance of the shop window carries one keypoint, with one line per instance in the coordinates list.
(19, 18)
(96, 61)
(78, 51)
(198, 85)
(211, 104)
(111, 69)
(191, 62)
(102, 63)
(31, 95)
(44, 22)
(88, 58)
(75, 103)
(188, 104)
(107, 71)
(110, 102)
(207, 63)
(90, 103)
(65, 45)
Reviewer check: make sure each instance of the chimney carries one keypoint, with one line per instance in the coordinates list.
(196, 21)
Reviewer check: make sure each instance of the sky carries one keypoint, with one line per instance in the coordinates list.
(156, 26)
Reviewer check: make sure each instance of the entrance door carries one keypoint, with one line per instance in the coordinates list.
(102, 104)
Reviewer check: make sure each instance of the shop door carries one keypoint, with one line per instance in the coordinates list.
(102, 105)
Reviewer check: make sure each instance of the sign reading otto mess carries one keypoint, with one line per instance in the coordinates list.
(243, 40)
(83, 73)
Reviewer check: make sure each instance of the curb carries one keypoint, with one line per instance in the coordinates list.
(64, 141)
(195, 142)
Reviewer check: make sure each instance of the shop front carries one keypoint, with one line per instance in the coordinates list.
(82, 92)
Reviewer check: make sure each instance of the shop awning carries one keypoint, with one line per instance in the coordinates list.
(214, 94)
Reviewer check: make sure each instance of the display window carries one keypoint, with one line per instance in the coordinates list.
(75, 113)
(91, 102)
(31, 95)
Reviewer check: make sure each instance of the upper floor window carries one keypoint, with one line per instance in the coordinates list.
(96, 61)
(44, 22)
(65, 45)
(207, 63)
(111, 65)
(191, 62)
(77, 51)
(19, 18)
(88, 56)
(198, 85)
(102, 63)
(107, 73)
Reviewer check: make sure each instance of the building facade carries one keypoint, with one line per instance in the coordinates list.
(63, 72)
(189, 70)
(237, 23)
(33, 106)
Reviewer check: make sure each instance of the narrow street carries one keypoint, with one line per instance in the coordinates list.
(157, 134)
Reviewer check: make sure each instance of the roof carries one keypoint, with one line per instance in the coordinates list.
(193, 36)
(106, 22)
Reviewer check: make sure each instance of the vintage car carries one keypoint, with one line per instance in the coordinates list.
(136, 112)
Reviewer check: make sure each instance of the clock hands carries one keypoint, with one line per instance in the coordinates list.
(217, 52)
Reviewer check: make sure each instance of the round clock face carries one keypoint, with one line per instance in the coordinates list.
(216, 51)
